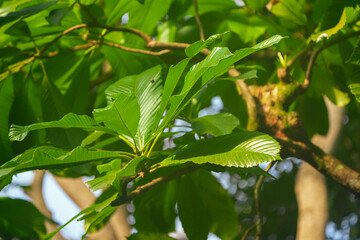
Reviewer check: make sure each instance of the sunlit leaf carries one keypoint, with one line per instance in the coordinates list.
(244, 149)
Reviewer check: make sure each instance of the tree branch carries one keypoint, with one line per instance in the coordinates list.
(133, 49)
(324, 163)
(253, 122)
(148, 186)
(198, 21)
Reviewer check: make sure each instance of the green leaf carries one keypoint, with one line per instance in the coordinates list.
(25, 12)
(122, 116)
(18, 133)
(248, 28)
(20, 219)
(171, 81)
(291, 10)
(192, 209)
(196, 47)
(147, 88)
(50, 157)
(216, 125)
(198, 205)
(355, 55)
(206, 6)
(216, 63)
(120, 9)
(155, 210)
(7, 52)
(130, 169)
(256, 4)
(331, 31)
(245, 149)
(148, 15)
(19, 29)
(6, 101)
(55, 16)
(355, 89)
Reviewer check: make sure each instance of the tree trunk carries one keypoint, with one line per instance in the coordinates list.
(310, 187)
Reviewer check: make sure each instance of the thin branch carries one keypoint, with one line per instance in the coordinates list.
(324, 163)
(253, 122)
(198, 21)
(154, 183)
(173, 46)
(67, 31)
(316, 53)
(133, 49)
(137, 32)
(257, 202)
(248, 231)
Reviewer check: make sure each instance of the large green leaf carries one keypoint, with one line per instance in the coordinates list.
(147, 88)
(20, 219)
(155, 210)
(198, 204)
(71, 120)
(171, 81)
(216, 125)
(215, 64)
(25, 12)
(46, 157)
(244, 149)
(248, 28)
(6, 100)
(122, 116)
(291, 10)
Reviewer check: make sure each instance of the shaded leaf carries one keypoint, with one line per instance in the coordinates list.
(25, 12)
(216, 125)
(20, 219)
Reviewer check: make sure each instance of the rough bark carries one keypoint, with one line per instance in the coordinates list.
(310, 185)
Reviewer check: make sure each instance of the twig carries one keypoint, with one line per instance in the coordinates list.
(253, 122)
(133, 49)
(248, 231)
(84, 25)
(137, 32)
(198, 21)
(154, 183)
(316, 53)
(257, 202)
